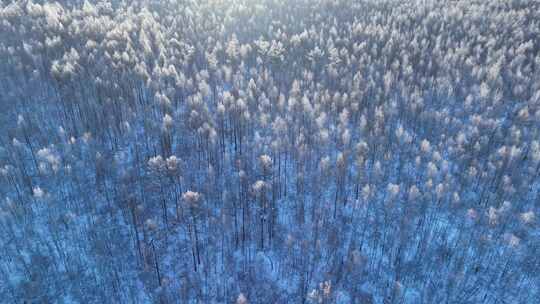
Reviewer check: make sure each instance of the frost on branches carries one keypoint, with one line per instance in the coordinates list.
(284, 151)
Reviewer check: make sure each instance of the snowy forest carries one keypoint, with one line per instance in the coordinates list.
(270, 151)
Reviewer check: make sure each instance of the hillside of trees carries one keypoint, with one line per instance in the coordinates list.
(270, 151)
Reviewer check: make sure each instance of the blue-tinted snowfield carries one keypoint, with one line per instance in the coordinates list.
(270, 151)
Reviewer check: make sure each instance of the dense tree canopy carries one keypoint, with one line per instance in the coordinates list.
(270, 151)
